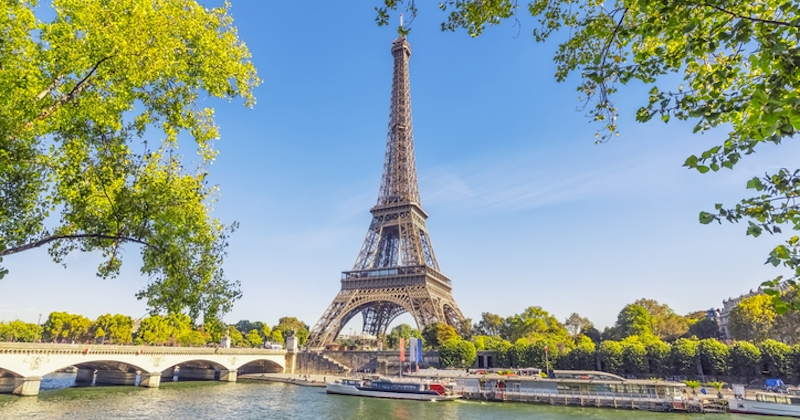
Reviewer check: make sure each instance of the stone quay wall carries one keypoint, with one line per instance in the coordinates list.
(384, 362)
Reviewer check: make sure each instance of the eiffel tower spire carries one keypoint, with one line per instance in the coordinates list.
(396, 270)
(399, 182)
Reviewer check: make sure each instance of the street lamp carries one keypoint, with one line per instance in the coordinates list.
(546, 362)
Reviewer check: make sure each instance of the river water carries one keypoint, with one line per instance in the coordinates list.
(265, 400)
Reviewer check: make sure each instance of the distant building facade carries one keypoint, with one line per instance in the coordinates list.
(722, 315)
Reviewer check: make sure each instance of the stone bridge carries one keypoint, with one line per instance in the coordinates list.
(22, 365)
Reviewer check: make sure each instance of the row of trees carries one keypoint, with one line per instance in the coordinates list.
(649, 356)
(171, 330)
(256, 334)
(648, 338)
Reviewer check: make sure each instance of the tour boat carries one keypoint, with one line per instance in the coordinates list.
(767, 403)
(396, 389)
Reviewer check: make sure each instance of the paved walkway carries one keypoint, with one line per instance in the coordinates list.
(293, 378)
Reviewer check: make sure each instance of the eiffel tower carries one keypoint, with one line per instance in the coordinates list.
(396, 270)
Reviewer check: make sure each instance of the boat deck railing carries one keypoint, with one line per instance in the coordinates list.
(511, 393)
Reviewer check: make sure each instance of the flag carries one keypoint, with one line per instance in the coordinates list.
(412, 349)
(402, 349)
(419, 350)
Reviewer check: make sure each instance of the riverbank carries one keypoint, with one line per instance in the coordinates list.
(294, 379)
(258, 400)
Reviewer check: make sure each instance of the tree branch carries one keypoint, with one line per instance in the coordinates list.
(77, 89)
(751, 18)
(54, 238)
(50, 88)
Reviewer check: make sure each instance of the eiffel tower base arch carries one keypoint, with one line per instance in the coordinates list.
(379, 306)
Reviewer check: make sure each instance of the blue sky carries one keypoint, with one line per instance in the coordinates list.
(524, 208)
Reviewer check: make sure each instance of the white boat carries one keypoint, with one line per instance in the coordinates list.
(396, 389)
(767, 403)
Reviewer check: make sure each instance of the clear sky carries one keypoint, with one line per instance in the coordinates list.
(524, 208)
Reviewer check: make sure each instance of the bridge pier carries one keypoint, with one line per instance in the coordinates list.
(28, 386)
(290, 363)
(115, 377)
(150, 380)
(227, 375)
(84, 377)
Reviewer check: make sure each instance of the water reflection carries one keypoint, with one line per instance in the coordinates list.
(214, 400)
(57, 380)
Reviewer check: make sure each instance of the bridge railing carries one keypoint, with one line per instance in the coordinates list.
(104, 348)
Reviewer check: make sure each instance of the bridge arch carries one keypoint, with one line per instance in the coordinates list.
(8, 373)
(102, 364)
(260, 366)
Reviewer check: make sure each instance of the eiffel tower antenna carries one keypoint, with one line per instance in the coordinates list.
(396, 270)
(401, 20)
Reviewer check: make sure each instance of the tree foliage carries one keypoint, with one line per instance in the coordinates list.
(776, 357)
(634, 356)
(577, 325)
(530, 324)
(62, 326)
(634, 320)
(582, 357)
(20, 331)
(457, 352)
(403, 331)
(665, 323)
(611, 358)
(437, 333)
(167, 330)
(737, 61)
(683, 356)
(118, 329)
(153, 330)
(702, 327)
(745, 359)
(713, 356)
(752, 318)
(658, 355)
(290, 326)
(254, 338)
(490, 324)
(93, 105)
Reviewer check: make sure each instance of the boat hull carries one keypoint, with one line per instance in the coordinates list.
(340, 389)
(758, 407)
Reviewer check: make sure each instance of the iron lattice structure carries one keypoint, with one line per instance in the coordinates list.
(396, 270)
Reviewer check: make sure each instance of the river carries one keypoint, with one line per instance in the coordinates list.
(264, 400)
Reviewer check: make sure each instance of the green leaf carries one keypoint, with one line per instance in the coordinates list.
(690, 162)
(706, 218)
(781, 252)
(755, 184)
(702, 169)
(754, 230)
